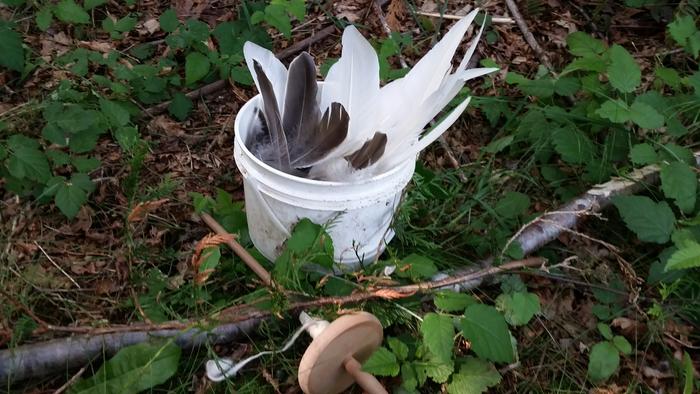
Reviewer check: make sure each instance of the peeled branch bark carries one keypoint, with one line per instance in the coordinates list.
(41, 359)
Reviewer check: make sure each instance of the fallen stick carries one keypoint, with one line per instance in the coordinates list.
(513, 8)
(222, 83)
(49, 357)
(494, 19)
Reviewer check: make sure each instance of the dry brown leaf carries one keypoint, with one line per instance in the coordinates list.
(97, 46)
(166, 126)
(142, 209)
(198, 257)
(389, 294)
(395, 15)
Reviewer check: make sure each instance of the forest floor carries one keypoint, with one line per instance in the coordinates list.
(124, 249)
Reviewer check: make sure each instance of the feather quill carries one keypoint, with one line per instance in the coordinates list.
(301, 111)
(273, 120)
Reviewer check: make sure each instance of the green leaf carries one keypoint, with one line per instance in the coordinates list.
(180, 106)
(85, 164)
(573, 146)
(605, 331)
(11, 48)
(652, 222)
(438, 335)
(168, 21)
(303, 236)
(450, 301)
(133, 369)
(623, 72)
(69, 198)
(603, 361)
(90, 4)
(127, 137)
(688, 371)
(115, 113)
(645, 116)
(499, 144)
(687, 257)
(43, 18)
(416, 267)
(475, 376)
(276, 16)
(399, 348)
(679, 182)
(669, 76)
(70, 12)
(682, 28)
(518, 307)
(409, 381)
(622, 344)
(673, 152)
(196, 67)
(438, 370)
(382, 363)
(582, 44)
(26, 160)
(643, 154)
(616, 111)
(512, 205)
(488, 333)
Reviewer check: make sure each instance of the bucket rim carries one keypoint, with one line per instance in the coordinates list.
(248, 154)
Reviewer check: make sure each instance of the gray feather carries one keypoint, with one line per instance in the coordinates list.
(326, 136)
(301, 112)
(369, 153)
(273, 120)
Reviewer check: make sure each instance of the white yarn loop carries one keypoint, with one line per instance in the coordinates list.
(221, 369)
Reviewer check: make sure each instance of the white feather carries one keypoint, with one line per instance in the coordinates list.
(274, 69)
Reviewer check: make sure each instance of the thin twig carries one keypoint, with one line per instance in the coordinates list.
(385, 25)
(56, 265)
(513, 8)
(71, 381)
(494, 19)
(23, 308)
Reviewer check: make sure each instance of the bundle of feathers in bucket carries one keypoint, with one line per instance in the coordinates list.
(349, 128)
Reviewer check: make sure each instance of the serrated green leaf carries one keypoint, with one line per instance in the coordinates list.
(603, 361)
(652, 222)
(573, 146)
(276, 16)
(669, 76)
(43, 18)
(69, 198)
(605, 330)
(180, 106)
(438, 335)
(196, 67)
(26, 160)
(616, 111)
(623, 72)
(382, 363)
(133, 369)
(70, 12)
(582, 44)
(622, 344)
(512, 205)
(679, 182)
(438, 370)
(518, 307)
(567, 86)
(475, 376)
(127, 137)
(85, 164)
(645, 116)
(687, 257)
(450, 301)
(115, 113)
(11, 49)
(168, 21)
(643, 154)
(488, 333)
(397, 347)
(409, 380)
(682, 28)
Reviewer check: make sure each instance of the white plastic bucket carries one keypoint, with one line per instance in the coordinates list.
(358, 214)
